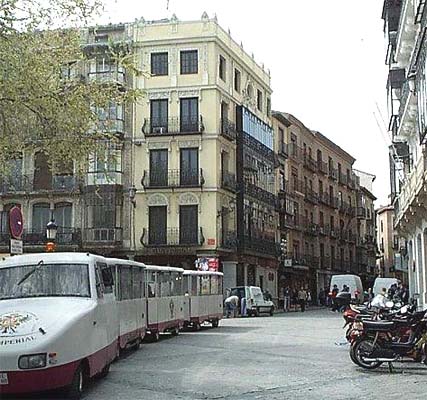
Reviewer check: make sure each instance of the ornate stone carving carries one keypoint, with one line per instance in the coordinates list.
(188, 93)
(188, 143)
(158, 199)
(167, 94)
(188, 199)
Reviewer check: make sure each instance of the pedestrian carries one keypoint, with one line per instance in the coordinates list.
(392, 291)
(287, 299)
(333, 295)
(302, 298)
(321, 297)
(309, 299)
(243, 310)
(295, 298)
(404, 294)
(231, 305)
(370, 294)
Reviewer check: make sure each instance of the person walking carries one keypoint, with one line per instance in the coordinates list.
(334, 293)
(287, 299)
(302, 298)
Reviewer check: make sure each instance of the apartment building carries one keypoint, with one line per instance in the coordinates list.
(404, 28)
(318, 218)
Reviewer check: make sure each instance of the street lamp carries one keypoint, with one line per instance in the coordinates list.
(51, 231)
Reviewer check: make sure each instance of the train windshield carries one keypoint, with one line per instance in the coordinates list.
(44, 280)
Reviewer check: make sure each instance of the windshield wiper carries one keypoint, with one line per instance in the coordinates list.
(40, 263)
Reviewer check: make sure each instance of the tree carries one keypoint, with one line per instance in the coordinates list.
(47, 103)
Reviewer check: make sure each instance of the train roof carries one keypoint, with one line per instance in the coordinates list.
(127, 262)
(160, 268)
(191, 272)
(34, 258)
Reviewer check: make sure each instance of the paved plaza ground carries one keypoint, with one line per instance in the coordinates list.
(288, 356)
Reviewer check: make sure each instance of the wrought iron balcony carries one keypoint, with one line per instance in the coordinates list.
(176, 237)
(172, 178)
(295, 152)
(118, 77)
(344, 207)
(103, 236)
(288, 221)
(14, 184)
(310, 163)
(360, 212)
(64, 237)
(260, 194)
(228, 129)
(322, 167)
(260, 245)
(311, 196)
(229, 240)
(228, 181)
(324, 230)
(66, 182)
(333, 173)
(342, 178)
(173, 126)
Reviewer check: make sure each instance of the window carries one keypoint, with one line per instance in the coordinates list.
(189, 62)
(42, 172)
(41, 216)
(237, 80)
(268, 106)
(107, 277)
(138, 283)
(157, 225)
(152, 284)
(222, 68)
(188, 225)
(189, 167)
(189, 110)
(159, 116)
(259, 100)
(159, 168)
(159, 63)
(165, 286)
(125, 273)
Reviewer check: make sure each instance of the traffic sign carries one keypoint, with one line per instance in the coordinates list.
(16, 222)
(16, 246)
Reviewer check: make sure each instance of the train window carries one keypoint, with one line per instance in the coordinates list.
(186, 283)
(165, 284)
(176, 284)
(125, 282)
(142, 283)
(194, 285)
(137, 282)
(220, 284)
(204, 284)
(107, 277)
(151, 284)
(214, 284)
(98, 283)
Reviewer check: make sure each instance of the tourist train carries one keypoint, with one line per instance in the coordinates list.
(65, 317)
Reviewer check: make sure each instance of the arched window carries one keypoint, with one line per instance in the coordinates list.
(41, 216)
(63, 215)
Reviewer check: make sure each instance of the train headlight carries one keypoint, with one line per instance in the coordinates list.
(32, 361)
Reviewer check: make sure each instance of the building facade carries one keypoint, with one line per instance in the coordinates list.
(319, 216)
(404, 27)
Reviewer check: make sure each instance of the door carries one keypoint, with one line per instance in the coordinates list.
(189, 111)
(42, 173)
(159, 116)
(189, 167)
(157, 225)
(159, 168)
(188, 225)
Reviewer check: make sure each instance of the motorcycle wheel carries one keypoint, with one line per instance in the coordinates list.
(361, 350)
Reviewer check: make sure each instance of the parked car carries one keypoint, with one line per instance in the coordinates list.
(255, 301)
(352, 281)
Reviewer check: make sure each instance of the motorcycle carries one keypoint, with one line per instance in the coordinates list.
(399, 336)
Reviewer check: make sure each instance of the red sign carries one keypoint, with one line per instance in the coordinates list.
(16, 222)
(211, 242)
(213, 264)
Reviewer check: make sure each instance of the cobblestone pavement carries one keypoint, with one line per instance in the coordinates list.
(288, 356)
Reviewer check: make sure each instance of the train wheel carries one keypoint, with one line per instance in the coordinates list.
(215, 323)
(75, 390)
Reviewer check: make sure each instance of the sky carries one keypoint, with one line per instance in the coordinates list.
(326, 59)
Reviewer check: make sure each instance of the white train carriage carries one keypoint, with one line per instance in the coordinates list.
(203, 298)
(129, 288)
(58, 321)
(165, 300)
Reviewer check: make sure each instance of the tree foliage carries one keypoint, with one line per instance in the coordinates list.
(44, 107)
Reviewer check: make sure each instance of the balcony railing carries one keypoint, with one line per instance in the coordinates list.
(228, 181)
(228, 129)
(344, 207)
(322, 167)
(333, 173)
(295, 152)
(64, 237)
(109, 178)
(311, 196)
(359, 212)
(14, 184)
(103, 236)
(324, 230)
(229, 240)
(183, 237)
(288, 221)
(107, 77)
(260, 245)
(260, 194)
(64, 182)
(342, 178)
(172, 178)
(310, 163)
(173, 126)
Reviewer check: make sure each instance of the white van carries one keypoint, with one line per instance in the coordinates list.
(352, 281)
(255, 302)
(381, 283)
